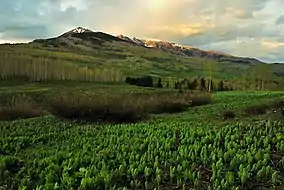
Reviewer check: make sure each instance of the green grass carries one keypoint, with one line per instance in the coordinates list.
(129, 60)
(113, 61)
(194, 149)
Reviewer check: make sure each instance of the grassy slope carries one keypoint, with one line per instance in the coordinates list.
(131, 60)
(49, 87)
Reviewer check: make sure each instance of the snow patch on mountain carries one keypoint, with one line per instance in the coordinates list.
(154, 43)
(79, 30)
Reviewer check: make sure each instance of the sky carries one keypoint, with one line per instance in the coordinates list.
(253, 28)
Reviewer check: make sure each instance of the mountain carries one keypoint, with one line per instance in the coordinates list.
(78, 36)
(125, 48)
(79, 30)
(86, 37)
(130, 56)
(190, 51)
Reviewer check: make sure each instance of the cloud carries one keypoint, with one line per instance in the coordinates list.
(223, 33)
(28, 32)
(279, 20)
(214, 24)
(272, 45)
(32, 19)
(238, 13)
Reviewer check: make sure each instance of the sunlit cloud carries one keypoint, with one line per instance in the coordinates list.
(272, 44)
(214, 24)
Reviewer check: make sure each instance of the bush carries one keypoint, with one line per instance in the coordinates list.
(120, 109)
(100, 107)
(95, 109)
(256, 109)
(169, 107)
(14, 113)
(278, 107)
(228, 114)
(277, 104)
(201, 100)
(19, 107)
(176, 102)
(118, 114)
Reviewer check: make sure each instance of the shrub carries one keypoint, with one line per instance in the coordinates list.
(277, 104)
(14, 113)
(256, 109)
(19, 107)
(169, 107)
(176, 102)
(71, 111)
(120, 109)
(200, 100)
(127, 114)
(228, 114)
(278, 107)
(86, 106)
(93, 108)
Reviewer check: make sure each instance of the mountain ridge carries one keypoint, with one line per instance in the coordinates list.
(191, 51)
(99, 38)
(131, 57)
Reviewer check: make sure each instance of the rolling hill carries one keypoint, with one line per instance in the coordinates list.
(132, 57)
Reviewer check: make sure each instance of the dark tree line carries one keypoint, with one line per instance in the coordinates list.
(198, 83)
(202, 84)
(145, 81)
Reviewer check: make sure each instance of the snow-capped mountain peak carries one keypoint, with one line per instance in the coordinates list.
(154, 43)
(79, 30)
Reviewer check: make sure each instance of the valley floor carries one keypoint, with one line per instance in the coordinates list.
(195, 149)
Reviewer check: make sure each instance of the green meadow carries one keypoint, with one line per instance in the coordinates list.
(69, 120)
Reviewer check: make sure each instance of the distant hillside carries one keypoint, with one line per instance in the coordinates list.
(190, 51)
(130, 57)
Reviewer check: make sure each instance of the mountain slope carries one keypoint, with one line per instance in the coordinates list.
(132, 57)
(191, 51)
(79, 36)
(86, 37)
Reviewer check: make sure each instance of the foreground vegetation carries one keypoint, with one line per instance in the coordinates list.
(196, 149)
(91, 106)
(69, 121)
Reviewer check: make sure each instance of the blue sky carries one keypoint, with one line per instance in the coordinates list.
(252, 28)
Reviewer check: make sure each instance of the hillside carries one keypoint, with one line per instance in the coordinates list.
(190, 51)
(90, 50)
